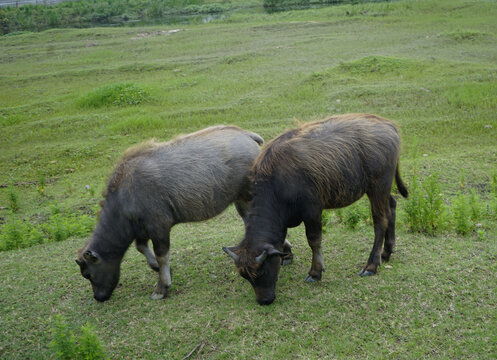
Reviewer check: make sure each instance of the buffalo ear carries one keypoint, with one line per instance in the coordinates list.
(91, 256)
(272, 251)
(269, 251)
(230, 252)
(79, 262)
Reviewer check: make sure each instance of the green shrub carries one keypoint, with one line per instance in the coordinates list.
(13, 200)
(42, 182)
(326, 220)
(89, 347)
(59, 227)
(461, 214)
(67, 346)
(350, 216)
(120, 94)
(63, 344)
(475, 206)
(425, 208)
(13, 235)
(354, 214)
(16, 233)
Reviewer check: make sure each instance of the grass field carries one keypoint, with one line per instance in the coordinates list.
(72, 101)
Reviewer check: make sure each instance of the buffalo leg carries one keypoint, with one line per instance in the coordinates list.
(380, 221)
(142, 247)
(161, 250)
(390, 233)
(287, 248)
(313, 231)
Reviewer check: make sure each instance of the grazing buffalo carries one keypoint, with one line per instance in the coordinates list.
(321, 165)
(157, 185)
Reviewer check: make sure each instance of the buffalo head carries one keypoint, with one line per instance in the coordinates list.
(259, 269)
(102, 274)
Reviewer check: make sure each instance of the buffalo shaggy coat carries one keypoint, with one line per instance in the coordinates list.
(157, 185)
(320, 165)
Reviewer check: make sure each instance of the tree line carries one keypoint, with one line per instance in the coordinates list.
(89, 13)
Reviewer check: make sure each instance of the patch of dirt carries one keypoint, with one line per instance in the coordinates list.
(148, 34)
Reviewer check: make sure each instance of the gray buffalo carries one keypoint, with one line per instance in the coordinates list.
(157, 185)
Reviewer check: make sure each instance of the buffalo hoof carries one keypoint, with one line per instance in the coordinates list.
(365, 272)
(160, 292)
(311, 279)
(156, 296)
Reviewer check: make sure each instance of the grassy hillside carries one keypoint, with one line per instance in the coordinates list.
(72, 101)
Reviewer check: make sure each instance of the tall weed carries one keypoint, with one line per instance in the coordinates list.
(475, 206)
(63, 344)
(355, 214)
(425, 209)
(17, 233)
(66, 346)
(88, 345)
(351, 216)
(461, 214)
(13, 200)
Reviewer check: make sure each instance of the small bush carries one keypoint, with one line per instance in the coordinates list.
(89, 347)
(350, 216)
(326, 220)
(42, 185)
(63, 344)
(425, 208)
(13, 235)
(66, 346)
(13, 201)
(16, 233)
(461, 215)
(120, 94)
(475, 206)
(59, 227)
(354, 215)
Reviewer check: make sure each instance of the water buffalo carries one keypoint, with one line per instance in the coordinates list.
(157, 185)
(320, 165)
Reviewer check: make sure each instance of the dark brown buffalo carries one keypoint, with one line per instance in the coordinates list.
(158, 185)
(321, 165)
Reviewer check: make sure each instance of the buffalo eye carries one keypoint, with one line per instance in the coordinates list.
(244, 275)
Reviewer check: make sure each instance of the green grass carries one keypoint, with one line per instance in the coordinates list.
(428, 65)
(120, 94)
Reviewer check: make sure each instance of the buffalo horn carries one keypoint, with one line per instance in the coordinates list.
(230, 253)
(260, 259)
